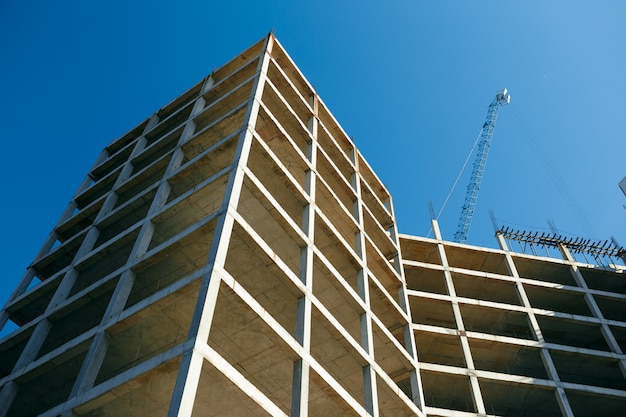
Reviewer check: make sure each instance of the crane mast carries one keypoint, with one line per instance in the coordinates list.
(467, 211)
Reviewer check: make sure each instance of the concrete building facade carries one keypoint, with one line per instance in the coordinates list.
(235, 255)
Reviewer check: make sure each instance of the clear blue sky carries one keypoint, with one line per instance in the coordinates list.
(410, 81)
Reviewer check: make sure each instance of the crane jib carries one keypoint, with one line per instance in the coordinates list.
(467, 211)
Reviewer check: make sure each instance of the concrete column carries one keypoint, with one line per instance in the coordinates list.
(124, 286)
(593, 306)
(34, 344)
(469, 362)
(91, 365)
(67, 283)
(409, 336)
(561, 397)
(301, 368)
(370, 388)
(186, 384)
(127, 170)
(189, 373)
(7, 395)
(208, 84)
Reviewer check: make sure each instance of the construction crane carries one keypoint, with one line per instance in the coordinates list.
(467, 211)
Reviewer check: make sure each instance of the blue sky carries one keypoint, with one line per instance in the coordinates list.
(410, 82)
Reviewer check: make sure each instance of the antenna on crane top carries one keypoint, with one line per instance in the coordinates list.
(467, 211)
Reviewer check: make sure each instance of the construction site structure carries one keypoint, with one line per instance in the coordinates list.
(482, 151)
(234, 254)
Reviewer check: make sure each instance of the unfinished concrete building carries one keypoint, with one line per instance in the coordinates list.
(235, 255)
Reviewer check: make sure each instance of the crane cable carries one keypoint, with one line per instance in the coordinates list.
(547, 164)
(458, 177)
(552, 171)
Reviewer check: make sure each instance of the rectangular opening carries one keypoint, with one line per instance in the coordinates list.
(58, 258)
(324, 401)
(294, 147)
(379, 237)
(447, 391)
(136, 397)
(78, 222)
(270, 225)
(336, 252)
(338, 216)
(336, 131)
(588, 370)
(572, 333)
(489, 289)
(337, 356)
(298, 103)
(612, 308)
(219, 396)
(620, 336)
(425, 279)
(155, 149)
(439, 348)
(376, 207)
(544, 271)
(111, 164)
(11, 349)
(277, 183)
(186, 212)
(222, 129)
(180, 102)
(432, 312)
(505, 358)
(260, 276)
(47, 386)
(171, 263)
(148, 332)
(284, 118)
(127, 139)
(166, 125)
(104, 261)
(478, 260)
(509, 399)
(77, 317)
(388, 311)
(392, 359)
(33, 303)
(389, 402)
(557, 299)
(141, 181)
(336, 296)
(232, 100)
(97, 190)
(125, 217)
(202, 142)
(419, 250)
(291, 156)
(249, 54)
(340, 160)
(375, 185)
(604, 280)
(202, 168)
(289, 68)
(233, 81)
(588, 404)
(241, 337)
(384, 271)
(496, 321)
(343, 191)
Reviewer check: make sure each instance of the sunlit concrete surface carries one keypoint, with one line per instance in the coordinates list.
(235, 255)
